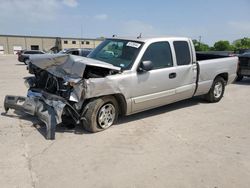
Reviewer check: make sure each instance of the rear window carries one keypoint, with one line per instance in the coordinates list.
(182, 52)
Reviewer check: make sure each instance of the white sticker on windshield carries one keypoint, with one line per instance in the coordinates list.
(134, 44)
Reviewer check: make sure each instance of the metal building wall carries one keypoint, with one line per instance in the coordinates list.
(9, 42)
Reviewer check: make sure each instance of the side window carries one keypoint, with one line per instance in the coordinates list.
(160, 55)
(75, 52)
(85, 53)
(182, 52)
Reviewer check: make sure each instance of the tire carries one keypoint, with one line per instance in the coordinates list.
(101, 114)
(26, 61)
(216, 92)
(239, 78)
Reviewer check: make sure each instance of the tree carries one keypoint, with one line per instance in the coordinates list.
(199, 46)
(223, 45)
(243, 43)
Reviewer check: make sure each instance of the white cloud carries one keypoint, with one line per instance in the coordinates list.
(28, 10)
(70, 3)
(101, 17)
(32, 10)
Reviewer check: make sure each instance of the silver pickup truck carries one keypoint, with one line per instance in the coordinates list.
(122, 76)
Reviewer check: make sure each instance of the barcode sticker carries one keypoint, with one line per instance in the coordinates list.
(134, 44)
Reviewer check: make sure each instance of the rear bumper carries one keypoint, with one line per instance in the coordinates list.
(47, 110)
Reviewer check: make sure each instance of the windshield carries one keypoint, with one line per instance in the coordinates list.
(120, 53)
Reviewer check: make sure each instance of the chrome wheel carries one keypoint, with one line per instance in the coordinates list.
(106, 115)
(218, 89)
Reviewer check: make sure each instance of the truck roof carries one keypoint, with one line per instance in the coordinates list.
(146, 39)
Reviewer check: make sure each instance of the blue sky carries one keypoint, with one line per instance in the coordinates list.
(212, 20)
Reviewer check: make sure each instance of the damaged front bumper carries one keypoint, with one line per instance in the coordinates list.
(47, 107)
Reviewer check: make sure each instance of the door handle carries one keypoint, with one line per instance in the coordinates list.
(172, 75)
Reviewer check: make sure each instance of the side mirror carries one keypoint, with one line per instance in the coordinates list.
(145, 66)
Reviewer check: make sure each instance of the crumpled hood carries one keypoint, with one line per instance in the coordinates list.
(67, 66)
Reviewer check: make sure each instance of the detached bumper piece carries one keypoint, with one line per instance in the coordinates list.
(36, 107)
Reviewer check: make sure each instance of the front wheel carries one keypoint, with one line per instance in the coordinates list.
(101, 114)
(26, 61)
(217, 90)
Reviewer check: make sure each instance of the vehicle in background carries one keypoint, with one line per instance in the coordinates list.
(242, 51)
(244, 66)
(24, 55)
(19, 52)
(122, 76)
(84, 52)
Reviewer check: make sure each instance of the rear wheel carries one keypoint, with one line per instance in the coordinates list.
(217, 90)
(101, 114)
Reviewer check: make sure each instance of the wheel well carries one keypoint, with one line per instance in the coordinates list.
(118, 97)
(122, 103)
(223, 75)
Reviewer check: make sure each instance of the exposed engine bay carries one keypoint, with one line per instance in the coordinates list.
(55, 85)
(51, 79)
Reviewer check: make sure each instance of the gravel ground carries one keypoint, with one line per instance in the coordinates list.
(187, 144)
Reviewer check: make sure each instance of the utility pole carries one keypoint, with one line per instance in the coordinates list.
(81, 36)
(199, 41)
(8, 46)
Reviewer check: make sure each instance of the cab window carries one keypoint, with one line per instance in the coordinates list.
(182, 52)
(159, 53)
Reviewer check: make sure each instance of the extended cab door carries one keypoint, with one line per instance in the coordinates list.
(186, 69)
(167, 82)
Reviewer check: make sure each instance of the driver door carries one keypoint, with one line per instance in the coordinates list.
(155, 87)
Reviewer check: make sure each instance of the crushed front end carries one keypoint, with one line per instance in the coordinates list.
(57, 91)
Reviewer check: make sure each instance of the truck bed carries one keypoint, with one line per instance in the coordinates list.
(210, 68)
(211, 55)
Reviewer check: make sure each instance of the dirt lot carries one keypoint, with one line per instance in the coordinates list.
(188, 144)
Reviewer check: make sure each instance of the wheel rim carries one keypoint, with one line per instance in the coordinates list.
(106, 116)
(218, 88)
